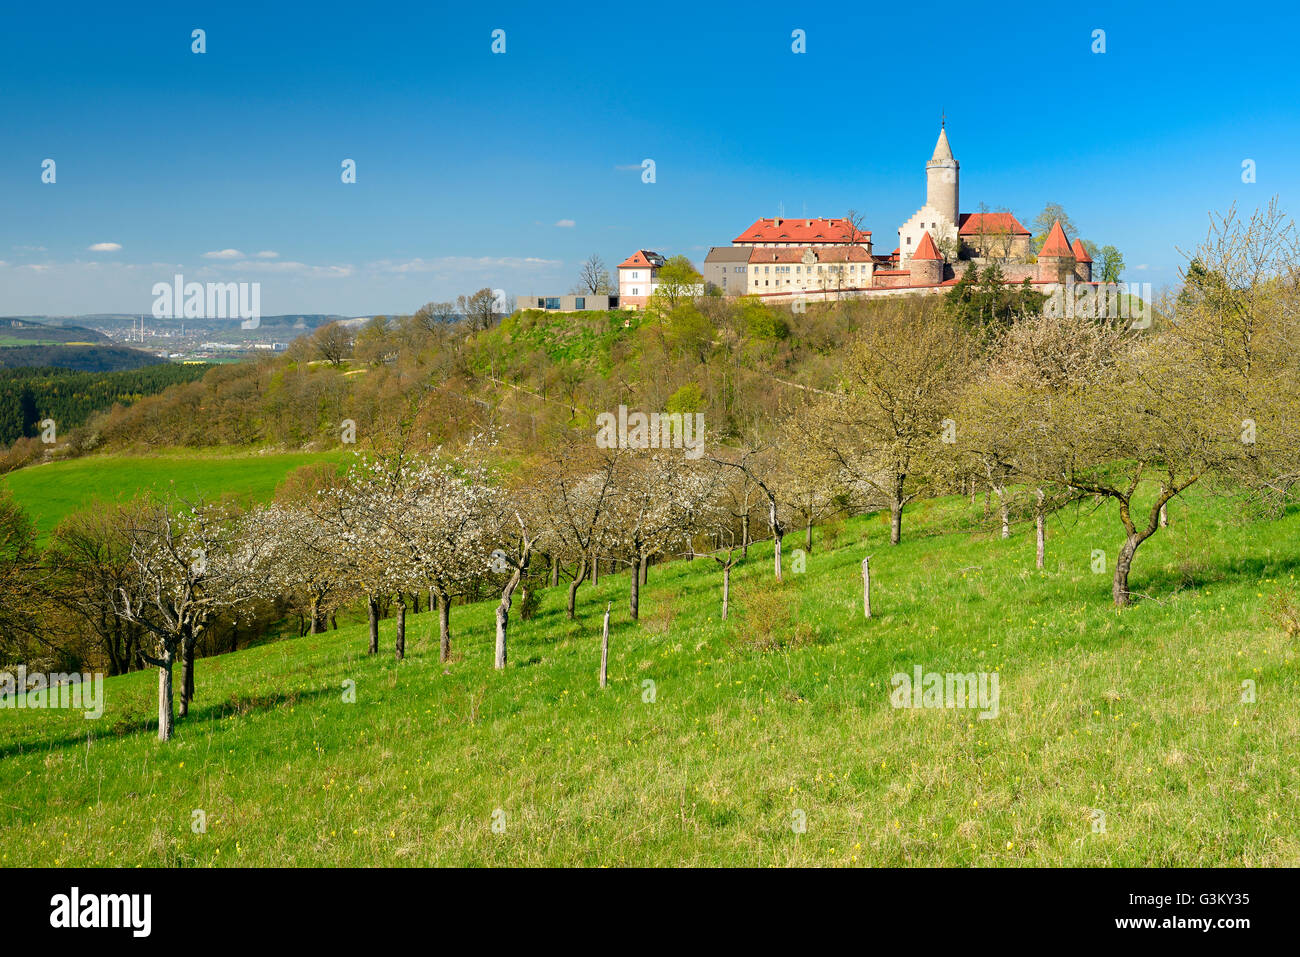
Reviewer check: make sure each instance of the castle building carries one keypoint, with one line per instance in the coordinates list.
(821, 269)
(787, 258)
(637, 277)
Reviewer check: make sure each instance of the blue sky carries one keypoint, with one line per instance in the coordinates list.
(507, 170)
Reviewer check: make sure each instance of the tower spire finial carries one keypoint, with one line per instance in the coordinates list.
(943, 118)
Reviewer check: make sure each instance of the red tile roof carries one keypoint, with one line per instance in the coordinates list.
(642, 257)
(975, 224)
(1057, 244)
(1080, 254)
(822, 254)
(802, 231)
(925, 249)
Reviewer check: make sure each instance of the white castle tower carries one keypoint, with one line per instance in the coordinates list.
(939, 215)
(941, 175)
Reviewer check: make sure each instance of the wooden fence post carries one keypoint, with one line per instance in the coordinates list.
(604, 647)
(866, 587)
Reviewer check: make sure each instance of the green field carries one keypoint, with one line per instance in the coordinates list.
(50, 492)
(1135, 716)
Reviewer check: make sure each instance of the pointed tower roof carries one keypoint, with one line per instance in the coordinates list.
(926, 249)
(1080, 254)
(1057, 244)
(942, 151)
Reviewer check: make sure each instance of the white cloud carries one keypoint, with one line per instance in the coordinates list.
(566, 223)
(224, 254)
(105, 247)
(1143, 266)
(268, 254)
(294, 268)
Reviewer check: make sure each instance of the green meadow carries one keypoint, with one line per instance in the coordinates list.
(49, 493)
(1121, 739)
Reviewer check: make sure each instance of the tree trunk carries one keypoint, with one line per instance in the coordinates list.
(744, 535)
(234, 637)
(895, 522)
(187, 671)
(604, 647)
(503, 617)
(372, 606)
(726, 589)
(1040, 530)
(555, 571)
(1164, 515)
(315, 616)
(579, 575)
(634, 601)
(165, 720)
(334, 622)
(401, 627)
(595, 570)
(644, 569)
(1119, 589)
(444, 626)
(807, 538)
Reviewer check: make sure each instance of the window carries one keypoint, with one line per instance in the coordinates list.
(552, 302)
(580, 302)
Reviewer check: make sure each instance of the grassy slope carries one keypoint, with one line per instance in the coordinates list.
(1138, 715)
(50, 492)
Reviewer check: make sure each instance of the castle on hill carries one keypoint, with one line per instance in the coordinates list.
(808, 259)
(784, 259)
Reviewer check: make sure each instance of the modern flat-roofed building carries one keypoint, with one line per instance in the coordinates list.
(574, 302)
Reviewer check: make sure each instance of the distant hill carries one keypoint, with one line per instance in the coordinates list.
(26, 343)
(82, 358)
(16, 332)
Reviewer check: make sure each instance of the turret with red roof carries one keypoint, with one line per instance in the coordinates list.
(1056, 258)
(1082, 261)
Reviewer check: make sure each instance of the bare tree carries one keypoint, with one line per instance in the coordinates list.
(593, 277)
(479, 309)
